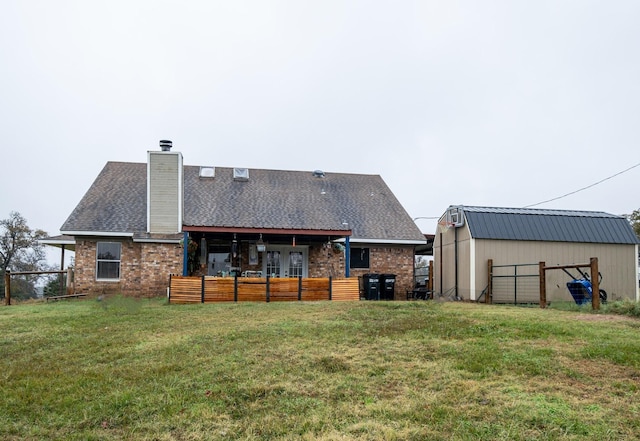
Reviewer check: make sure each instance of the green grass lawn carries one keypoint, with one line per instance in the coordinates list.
(145, 370)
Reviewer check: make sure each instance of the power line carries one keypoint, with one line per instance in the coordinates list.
(583, 188)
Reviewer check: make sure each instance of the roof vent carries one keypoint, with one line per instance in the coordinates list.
(318, 173)
(165, 145)
(240, 174)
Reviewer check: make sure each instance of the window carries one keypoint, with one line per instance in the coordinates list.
(295, 264)
(273, 263)
(108, 261)
(359, 258)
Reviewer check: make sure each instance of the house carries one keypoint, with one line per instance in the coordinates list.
(469, 236)
(140, 222)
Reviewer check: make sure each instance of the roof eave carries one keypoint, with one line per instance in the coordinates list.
(385, 241)
(250, 230)
(98, 233)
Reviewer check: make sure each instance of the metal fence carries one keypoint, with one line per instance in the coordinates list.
(514, 283)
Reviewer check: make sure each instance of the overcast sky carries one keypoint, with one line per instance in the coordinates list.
(493, 103)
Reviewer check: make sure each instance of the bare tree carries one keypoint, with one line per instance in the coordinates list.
(20, 251)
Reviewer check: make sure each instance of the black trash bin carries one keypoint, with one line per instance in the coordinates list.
(387, 286)
(371, 285)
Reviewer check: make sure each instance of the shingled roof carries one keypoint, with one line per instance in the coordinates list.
(270, 199)
(116, 202)
(548, 225)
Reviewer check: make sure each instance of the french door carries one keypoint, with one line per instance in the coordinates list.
(283, 261)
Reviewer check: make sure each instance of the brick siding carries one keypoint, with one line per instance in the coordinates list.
(397, 260)
(144, 268)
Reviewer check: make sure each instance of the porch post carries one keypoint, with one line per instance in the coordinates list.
(185, 252)
(62, 292)
(347, 257)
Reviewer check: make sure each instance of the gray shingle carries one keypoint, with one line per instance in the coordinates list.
(295, 200)
(116, 202)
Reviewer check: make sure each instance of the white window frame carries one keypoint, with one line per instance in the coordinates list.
(284, 259)
(118, 261)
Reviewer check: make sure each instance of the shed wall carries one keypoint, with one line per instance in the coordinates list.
(616, 263)
(444, 264)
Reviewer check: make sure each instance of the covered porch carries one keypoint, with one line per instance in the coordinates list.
(274, 253)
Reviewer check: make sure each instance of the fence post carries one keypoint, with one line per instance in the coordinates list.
(488, 296)
(330, 288)
(202, 291)
(7, 287)
(299, 288)
(515, 284)
(268, 290)
(543, 285)
(595, 284)
(235, 288)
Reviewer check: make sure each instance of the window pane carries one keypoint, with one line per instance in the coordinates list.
(108, 260)
(108, 270)
(359, 258)
(273, 263)
(295, 264)
(108, 251)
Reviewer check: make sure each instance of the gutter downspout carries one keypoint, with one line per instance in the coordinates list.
(455, 238)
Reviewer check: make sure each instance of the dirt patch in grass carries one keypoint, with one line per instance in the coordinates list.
(604, 318)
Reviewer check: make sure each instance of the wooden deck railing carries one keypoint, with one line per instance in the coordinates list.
(207, 289)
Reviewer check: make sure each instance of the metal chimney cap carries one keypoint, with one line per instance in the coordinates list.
(165, 145)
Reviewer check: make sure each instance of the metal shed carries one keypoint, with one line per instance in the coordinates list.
(468, 236)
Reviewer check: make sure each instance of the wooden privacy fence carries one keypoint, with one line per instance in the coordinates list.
(206, 289)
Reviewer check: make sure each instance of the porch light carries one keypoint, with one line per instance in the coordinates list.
(260, 245)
